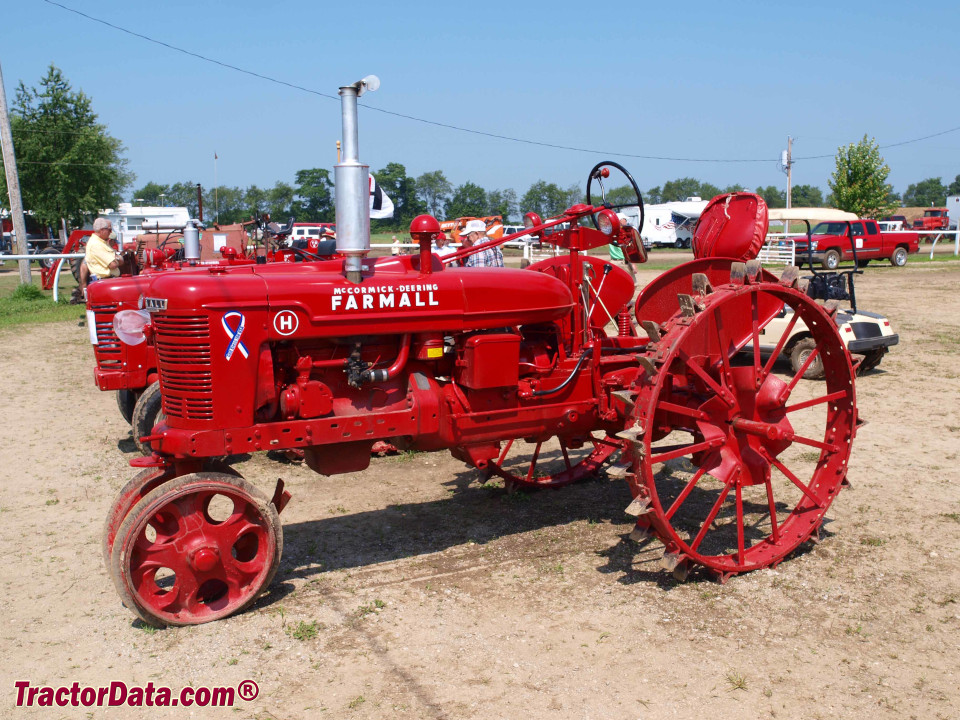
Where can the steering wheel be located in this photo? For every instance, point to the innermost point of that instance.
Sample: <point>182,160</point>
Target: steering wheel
<point>597,173</point>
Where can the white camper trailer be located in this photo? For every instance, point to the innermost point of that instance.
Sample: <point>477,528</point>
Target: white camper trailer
<point>129,221</point>
<point>668,224</point>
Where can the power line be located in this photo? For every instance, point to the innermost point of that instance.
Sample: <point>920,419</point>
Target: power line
<point>448,126</point>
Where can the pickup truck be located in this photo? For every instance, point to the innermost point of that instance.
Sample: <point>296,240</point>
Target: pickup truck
<point>830,244</point>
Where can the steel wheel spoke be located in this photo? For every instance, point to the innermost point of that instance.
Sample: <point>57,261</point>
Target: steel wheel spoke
<point>775,531</point>
<point>810,358</point>
<point>796,481</point>
<point>740,529</point>
<point>566,457</point>
<point>675,452</point>
<point>755,321</point>
<point>533,461</point>
<point>813,443</point>
<point>723,343</point>
<point>506,449</point>
<point>714,511</point>
<point>779,347</point>
<point>699,371</point>
<point>685,492</point>
<point>681,410</point>
<point>816,401</point>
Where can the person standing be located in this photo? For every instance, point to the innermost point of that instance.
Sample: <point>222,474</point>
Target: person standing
<point>474,233</point>
<point>101,260</point>
<point>441,245</point>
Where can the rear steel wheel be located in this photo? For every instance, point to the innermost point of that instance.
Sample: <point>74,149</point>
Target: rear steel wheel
<point>552,463</point>
<point>734,467</point>
<point>196,549</point>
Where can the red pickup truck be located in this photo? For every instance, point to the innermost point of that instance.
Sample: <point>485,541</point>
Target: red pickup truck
<point>830,243</point>
<point>933,219</point>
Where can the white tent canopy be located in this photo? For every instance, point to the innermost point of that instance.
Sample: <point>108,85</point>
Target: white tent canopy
<point>809,213</point>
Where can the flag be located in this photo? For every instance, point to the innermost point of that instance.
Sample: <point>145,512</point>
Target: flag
<point>381,206</point>
<point>214,156</point>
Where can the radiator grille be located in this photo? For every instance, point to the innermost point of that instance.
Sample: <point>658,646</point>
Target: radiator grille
<point>108,349</point>
<point>183,355</point>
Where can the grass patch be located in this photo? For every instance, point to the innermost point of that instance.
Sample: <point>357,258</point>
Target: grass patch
<point>736,680</point>
<point>28,304</point>
<point>303,630</point>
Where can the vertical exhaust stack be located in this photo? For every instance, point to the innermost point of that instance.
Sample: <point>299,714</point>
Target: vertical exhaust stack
<point>191,242</point>
<point>352,183</point>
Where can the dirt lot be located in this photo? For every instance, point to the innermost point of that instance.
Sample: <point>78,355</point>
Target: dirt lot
<point>410,590</point>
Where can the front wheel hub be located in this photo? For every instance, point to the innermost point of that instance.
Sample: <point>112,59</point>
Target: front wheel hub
<point>205,559</point>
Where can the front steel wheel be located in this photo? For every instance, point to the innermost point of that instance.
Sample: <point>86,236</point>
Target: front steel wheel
<point>196,549</point>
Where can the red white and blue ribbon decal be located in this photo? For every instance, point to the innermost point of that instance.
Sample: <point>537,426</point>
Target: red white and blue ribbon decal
<point>234,334</point>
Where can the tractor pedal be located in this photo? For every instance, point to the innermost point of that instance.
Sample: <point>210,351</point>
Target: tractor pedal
<point>280,497</point>
<point>639,506</point>
<point>738,271</point>
<point>790,277</point>
<point>619,472</point>
<point>688,306</point>
<point>753,270</point>
<point>640,534</point>
<point>652,330</point>
<point>701,284</point>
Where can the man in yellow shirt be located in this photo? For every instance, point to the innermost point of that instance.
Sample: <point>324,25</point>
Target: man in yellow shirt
<point>101,260</point>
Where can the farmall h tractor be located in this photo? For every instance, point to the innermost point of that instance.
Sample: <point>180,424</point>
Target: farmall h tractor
<point>130,368</point>
<point>730,465</point>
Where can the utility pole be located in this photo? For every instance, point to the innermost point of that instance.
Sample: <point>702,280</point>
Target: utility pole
<point>789,168</point>
<point>13,185</point>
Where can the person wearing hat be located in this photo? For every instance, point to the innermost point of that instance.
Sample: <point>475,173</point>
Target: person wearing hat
<point>474,233</point>
<point>441,245</point>
<point>100,259</point>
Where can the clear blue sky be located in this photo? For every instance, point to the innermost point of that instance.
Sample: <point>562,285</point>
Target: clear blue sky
<point>693,79</point>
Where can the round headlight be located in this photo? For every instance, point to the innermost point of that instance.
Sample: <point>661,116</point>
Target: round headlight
<point>608,222</point>
<point>531,219</point>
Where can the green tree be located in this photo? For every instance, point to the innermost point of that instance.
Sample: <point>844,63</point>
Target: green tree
<point>280,201</point>
<point>69,165</point>
<point>680,189</point>
<point>468,200</point>
<point>925,193</point>
<point>859,182</point>
<point>224,205</point>
<point>503,203</point>
<point>434,191</point>
<point>774,196</point>
<point>184,194</point>
<point>545,199</point>
<point>402,191</point>
<point>150,193</point>
<point>313,200</point>
<point>954,188</point>
<point>806,196</point>
<point>255,201</point>
<point>735,188</point>
<point>653,196</point>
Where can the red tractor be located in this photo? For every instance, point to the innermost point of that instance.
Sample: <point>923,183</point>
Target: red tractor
<point>538,376</point>
<point>130,369</point>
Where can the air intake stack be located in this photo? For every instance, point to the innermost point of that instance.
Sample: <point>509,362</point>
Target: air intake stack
<point>352,180</point>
